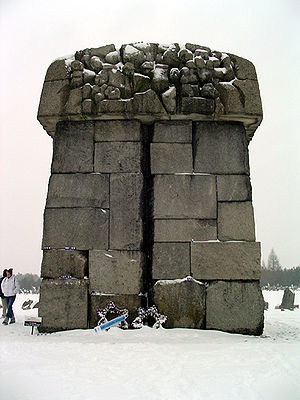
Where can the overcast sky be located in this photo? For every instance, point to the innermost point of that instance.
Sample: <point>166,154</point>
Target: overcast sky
<point>35,32</point>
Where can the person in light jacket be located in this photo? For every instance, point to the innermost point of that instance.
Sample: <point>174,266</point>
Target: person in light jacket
<point>10,288</point>
<point>4,307</point>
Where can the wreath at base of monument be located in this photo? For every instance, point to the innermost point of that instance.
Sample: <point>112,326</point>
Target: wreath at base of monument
<point>113,309</point>
<point>145,313</point>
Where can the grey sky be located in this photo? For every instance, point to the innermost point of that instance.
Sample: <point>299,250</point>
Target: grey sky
<point>34,32</point>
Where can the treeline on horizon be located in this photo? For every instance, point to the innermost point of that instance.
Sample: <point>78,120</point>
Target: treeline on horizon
<point>272,273</point>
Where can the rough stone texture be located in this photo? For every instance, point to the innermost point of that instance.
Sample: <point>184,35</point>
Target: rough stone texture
<point>182,301</point>
<point>169,158</point>
<point>184,230</point>
<point>78,190</point>
<point>117,131</point>
<point>53,98</point>
<point>82,228</point>
<point>113,271</point>
<point>117,157</point>
<point>288,299</point>
<point>226,148</point>
<point>234,188</point>
<point>185,196</point>
<point>236,307</point>
<point>73,147</point>
<point>170,260</point>
<point>125,211</point>
<point>236,221</point>
<point>152,81</point>
<point>228,261</point>
<point>57,263</point>
<point>129,301</point>
<point>63,304</point>
<point>173,132</point>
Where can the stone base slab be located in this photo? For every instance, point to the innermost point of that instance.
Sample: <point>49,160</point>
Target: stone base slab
<point>236,307</point>
<point>63,304</point>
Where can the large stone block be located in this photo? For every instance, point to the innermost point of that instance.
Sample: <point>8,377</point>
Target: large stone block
<point>172,132</point>
<point>250,90</point>
<point>73,147</point>
<point>57,263</point>
<point>126,229</point>
<point>58,70</point>
<point>170,260</point>
<point>63,304</point>
<point>82,228</point>
<point>115,157</point>
<point>234,188</point>
<point>129,301</point>
<point>182,301</point>
<point>53,98</point>
<point>117,131</point>
<point>185,196</point>
<point>230,260</point>
<point>236,221</point>
<point>169,158</point>
<point>78,190</point>
<point>197,105</point>
<point>236,307</point>
<point>184,230</point>
<point>114,271</point>
<point>221,148</point>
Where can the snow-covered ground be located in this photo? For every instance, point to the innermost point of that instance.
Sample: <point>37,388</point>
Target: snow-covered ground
<point>150,364</point>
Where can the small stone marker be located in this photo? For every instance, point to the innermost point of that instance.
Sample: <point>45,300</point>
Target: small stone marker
<point>288,299</point>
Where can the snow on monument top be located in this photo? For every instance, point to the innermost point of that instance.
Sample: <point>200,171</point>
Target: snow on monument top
<point>148,82</point>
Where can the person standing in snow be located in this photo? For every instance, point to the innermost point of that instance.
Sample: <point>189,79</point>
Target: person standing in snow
<point>10,288</point>
<point>4,307</point>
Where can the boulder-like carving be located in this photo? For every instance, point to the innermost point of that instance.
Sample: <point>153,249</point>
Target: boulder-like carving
<point>160,81</point>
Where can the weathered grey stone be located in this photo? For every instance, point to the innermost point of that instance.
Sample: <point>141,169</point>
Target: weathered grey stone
<point>57,263</point>
<point>113,106</point>
<point>87,106</point>
<point>58,70</point>
<point>184,230</point>
<point>117,131</point>
<point>234,188</point>
<point>182,301</point>
<point>125,211</point>
<point>288,299</point>
<point>78,190</point>
<point>102,51</point>
<point>170,260</point>
<point>169,158</point>
<point>221,148</point>
<point>53,98</point>
<point>147,103</point>
<point>63,304</point>
<point>133,55</point>
<point>73,105</point>
<point>117,157</point>
<point>230,98</point>
<point>185,196</point>
<point>197,105</point>
<point>236,307</point>
<point>114,271</point>
<point>251,96</point>
<point>129,301</point>
<point>112,57</point>
<point>236,221</point>
<point>169,100</point>
<point>82,228</point>
<point>244,69</point>
<point>172,132</point>
<point>141,83</point>
<point>73,147</point>
<point>227,261</point>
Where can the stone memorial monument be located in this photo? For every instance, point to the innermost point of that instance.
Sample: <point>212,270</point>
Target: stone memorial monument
<point>149,198</point>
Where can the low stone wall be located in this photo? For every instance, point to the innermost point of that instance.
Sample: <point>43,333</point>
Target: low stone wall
<point>150,183</point>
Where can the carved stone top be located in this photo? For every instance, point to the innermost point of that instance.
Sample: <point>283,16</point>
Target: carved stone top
<point>150,81</point>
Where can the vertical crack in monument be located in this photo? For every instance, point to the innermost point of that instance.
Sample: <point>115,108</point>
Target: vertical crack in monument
<point>149,198</point>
